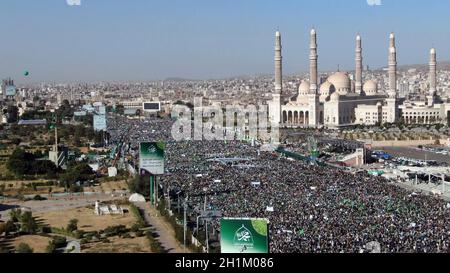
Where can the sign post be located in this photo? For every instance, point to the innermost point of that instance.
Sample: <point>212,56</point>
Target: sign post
<point>244,235</point>
<point>151,161</point>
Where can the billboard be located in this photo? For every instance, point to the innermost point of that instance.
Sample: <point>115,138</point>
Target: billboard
<point>244,235</point>
<point>151,157</point>
<point>151,106</point>
<point>10,90</point>
<point>100,123</point>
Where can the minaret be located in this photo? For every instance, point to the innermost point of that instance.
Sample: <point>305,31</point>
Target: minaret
<point>313,96</point>
<point>275,104</point>
<point>432,76</point>
<point>278,64</point>
<point>391,101</point>
<point>392,67</point>
<point>313,63</point>
<point>359,64</point>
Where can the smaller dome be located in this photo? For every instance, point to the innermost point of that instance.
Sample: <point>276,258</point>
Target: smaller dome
<point>303,88</point>
<point>370,84</point>
<point>370,87</point>
<point>335,96</point>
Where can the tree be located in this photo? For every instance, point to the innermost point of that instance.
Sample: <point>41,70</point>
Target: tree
<point>2,228</point>
<point>10,227</point>
<point>15,215</point>
<point>28,223</point>
<point>72,226</point>
<point>24,248</point>
<point>24,163</point>
<point>13,114</point>
<point>57,242</point>
<point>19,162</point>
<point>77,172</point>
<point>120,109</point>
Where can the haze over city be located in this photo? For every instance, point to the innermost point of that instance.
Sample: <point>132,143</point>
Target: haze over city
<point>119,40</point>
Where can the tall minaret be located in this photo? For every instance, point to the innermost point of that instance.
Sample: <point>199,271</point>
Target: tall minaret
<point>275,104</point>
<point>432,76</point>
<point>359,64</point>
<point>392,67</point>
<point>391,101</point>
<point>313,63</point>
<point>313,96</point>
<point>278,64</point>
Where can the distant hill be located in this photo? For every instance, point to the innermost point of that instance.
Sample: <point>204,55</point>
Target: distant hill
<point>175,79</point>
<point>424,67</point>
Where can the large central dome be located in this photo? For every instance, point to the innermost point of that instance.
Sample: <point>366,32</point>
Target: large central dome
<point>341,82</point>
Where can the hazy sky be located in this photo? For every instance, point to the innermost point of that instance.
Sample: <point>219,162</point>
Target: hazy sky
<point>139,40</point>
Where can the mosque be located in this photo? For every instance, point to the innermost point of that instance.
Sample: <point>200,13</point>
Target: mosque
<point>339,101</point>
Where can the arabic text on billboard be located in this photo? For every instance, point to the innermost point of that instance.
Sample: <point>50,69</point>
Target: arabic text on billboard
<point>151,157</point>
<point>244,235</point>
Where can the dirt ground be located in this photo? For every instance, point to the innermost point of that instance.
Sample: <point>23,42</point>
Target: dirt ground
<point>119,245</point>
<point>16,185</point>
<point>36,242</point>
<point>87,220</point>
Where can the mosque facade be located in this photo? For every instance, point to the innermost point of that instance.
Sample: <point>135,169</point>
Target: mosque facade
<point>340,101</point>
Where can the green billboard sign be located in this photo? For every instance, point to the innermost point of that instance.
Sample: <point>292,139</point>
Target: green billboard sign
<point>243,235</point>
<point>151,157</point>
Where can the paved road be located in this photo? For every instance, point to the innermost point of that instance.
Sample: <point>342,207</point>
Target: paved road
<point>412,152</point>
<point>162,228</point>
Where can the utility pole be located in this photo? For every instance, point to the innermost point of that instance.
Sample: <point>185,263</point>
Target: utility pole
<point>185,223</point>
<point>207,239</point>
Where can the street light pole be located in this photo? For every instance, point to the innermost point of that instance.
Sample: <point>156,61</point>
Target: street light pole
<point>207,239</point>
<point>185,224</point>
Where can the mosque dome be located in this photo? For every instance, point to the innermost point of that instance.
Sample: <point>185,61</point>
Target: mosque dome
<point>335,96</point>
<point>303,88</point>
<point>341,82</point>
<point>370,87</point>
<point>326,89</point>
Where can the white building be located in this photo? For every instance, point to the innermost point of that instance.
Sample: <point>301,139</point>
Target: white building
<point>343,99</point>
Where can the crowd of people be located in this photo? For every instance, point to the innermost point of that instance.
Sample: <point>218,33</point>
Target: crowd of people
<point>312,209</point>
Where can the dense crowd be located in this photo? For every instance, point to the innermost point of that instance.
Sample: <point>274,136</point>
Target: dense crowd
<point>315,209</point>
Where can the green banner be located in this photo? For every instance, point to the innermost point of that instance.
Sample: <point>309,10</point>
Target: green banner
<point>239,235</point>
<point>151,157</point>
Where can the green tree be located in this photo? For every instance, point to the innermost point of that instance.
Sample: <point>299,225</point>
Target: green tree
<point>77,172</point>
<point>13,114</point>
<point>72,226</point>
<point>10,227</point>
<point>19,162</point>
<point>120,109</point>
<point>28,223</point>
<point>15,215</point>
<point>24,248</point>
<point>2,228</point>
